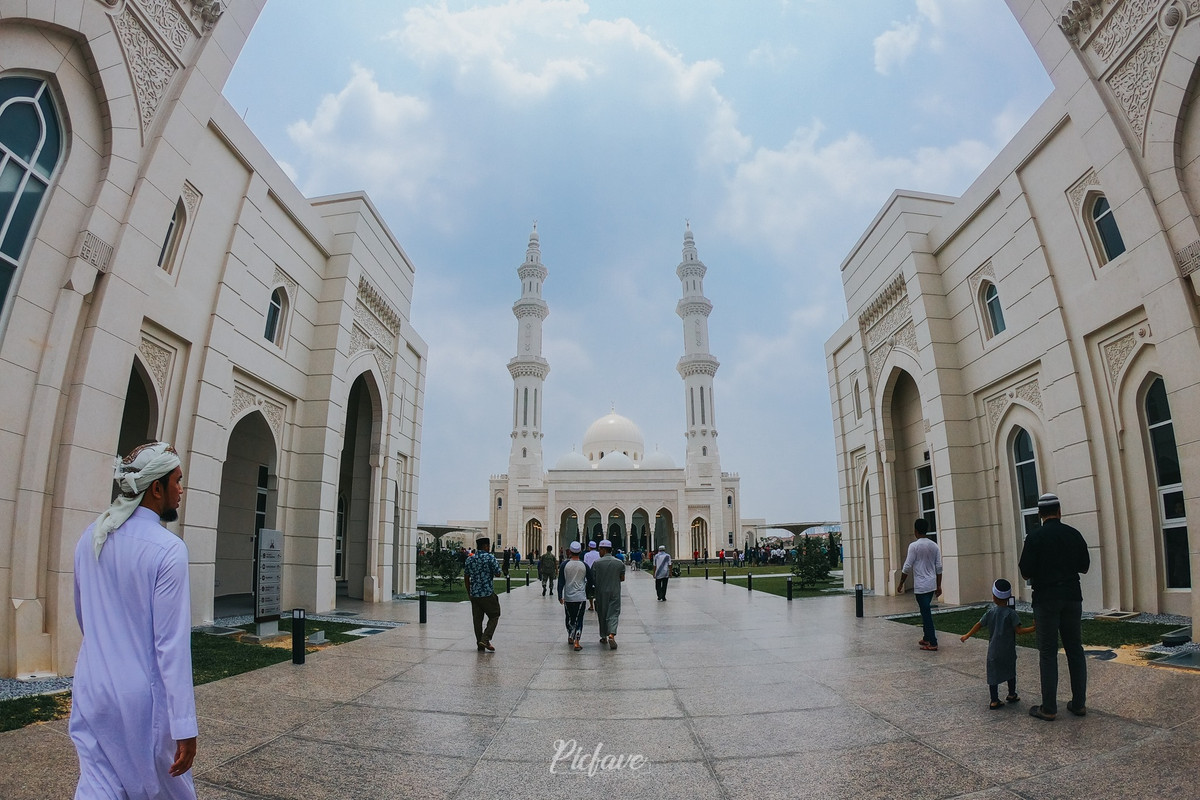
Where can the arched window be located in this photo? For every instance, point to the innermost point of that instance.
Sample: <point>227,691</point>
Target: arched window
<point>1169,482</point>
<point>993,312</point>
<point>857,400</point>
<point>703,451</point>
<point>1109,243</point>
<point>729,501</point>
<point>31,144</point>
<point>1026,479</point>
<point>170,245</point>
<point>275,317</point>
<point>339,542</point>
<point>499,502</point>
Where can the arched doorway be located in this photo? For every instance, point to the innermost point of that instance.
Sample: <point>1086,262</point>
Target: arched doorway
<point>593,525</point>
<point>246,506</point>
<point>356,487</point>
<point>533,538</point>
<point>664,531</point>
<point>568,529</point>
<point>139,419</point>
<point>616,529</point>
<point>911,466</point>
<point>638,530</point>
<point>700,535</point>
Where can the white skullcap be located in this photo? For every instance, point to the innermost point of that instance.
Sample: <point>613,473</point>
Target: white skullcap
<point>133,475</point>
<point>1048,500</point>
<point>999,593</point>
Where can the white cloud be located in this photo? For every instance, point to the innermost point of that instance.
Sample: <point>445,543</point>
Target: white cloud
<point>811,188</point>
<point>525,50</point>
<point>893,47</point>
<point>366,137</point>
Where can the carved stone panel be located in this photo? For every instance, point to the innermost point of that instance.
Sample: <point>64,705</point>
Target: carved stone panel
<point>273,411</point>
<point>1125,20</point>
<point>170,23</point>
<point>1028,391</point>
<point>1133,82</point>
<point>281,278</point>
<point>150,66</point>
<point>191,199</point>
<point>1188,256</point>
<point>158,359</point>
<point>1076,192</point>
<point>96,251</point>
<point>1120,349</point>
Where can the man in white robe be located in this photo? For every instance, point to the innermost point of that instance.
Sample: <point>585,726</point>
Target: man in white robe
<point>133,711</point>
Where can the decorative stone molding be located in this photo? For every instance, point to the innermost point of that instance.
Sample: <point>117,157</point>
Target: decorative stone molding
<point>691,306</point>
<point>527,308</point>
<point>529,366</point>
<point>697,364</point>
<point>207,12</point>
<point>1028,391</point>
<point>372,300</point>
<point>151,67</point>
<point>1133,82</point>
<point>170,22</point>
<point>1079,189</point>
<point>96,251</point>
<point>985,271</point>
<point>273,411</point>
<point>158,359</point>
<point>1119,350</point>
<point>361,340</point>
<point>281,278</point>
<point>860,463</point>
<point>1124,21</point>
<point>1188,257</point>
<point>906,337</point>
<point>191,199</point>
<point>885,312</point>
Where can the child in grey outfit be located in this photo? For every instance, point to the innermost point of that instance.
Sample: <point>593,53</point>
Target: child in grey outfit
<point>1003,624</point>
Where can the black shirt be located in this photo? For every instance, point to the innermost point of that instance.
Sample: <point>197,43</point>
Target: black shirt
<point>1054,556</point>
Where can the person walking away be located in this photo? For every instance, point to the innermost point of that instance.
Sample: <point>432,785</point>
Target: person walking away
<point>608,573</point>
<point>133,711</point>
<point>924,562</point>
<point>1003,625</point>
<point>478,573</point>
<point>662,572</point>
<point>547,569</point>
<point>572,594</point>
<point>1053,558</point>
<point>590,558</point>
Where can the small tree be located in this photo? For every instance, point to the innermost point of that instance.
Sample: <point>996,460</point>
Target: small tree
<point>834,546</point>
<point>440,562</point>
<point>811,564</point>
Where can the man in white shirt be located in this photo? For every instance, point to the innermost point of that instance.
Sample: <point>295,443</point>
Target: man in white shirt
<point>924,563</point>
<point>662,572</point>
<point>589,559</point>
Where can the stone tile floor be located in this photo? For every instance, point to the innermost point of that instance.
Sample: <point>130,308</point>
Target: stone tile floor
<point>725,694</point>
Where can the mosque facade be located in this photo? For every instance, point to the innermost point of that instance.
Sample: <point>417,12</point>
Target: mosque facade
<point>611,488</point>
<point>1042,331</point>
<point>162,278</point>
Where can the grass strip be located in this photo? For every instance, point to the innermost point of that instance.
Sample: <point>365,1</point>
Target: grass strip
<point>1095,632</point>
<point>21,711</point>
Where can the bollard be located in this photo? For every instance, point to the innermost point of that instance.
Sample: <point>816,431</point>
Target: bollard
<point>297,635</point>
<point>507,583</point>
<point>421,602</point>
<point>749,581</point>
<point>706,573</point>
<point>526,577</point>
<point>789,588</point>
<point>689,569</point>
<point>858,603</point>
<point>725,576</point>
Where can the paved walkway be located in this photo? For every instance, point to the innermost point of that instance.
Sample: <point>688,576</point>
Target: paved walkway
<point>726,694</point>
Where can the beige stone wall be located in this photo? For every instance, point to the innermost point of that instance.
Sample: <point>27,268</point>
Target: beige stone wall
<point>1085,334</point>
<point>91,304</point>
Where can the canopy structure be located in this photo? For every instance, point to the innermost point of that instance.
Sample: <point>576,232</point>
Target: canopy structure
<point>438,531</point>
<point>795,528</point>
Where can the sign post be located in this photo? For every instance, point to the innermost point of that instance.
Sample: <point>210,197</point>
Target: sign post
<point>267,581</point>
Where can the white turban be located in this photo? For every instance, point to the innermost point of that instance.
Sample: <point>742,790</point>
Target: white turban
<point>133,475</point>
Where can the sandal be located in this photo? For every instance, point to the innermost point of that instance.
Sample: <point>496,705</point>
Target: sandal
<point>928,646</point>
<point>1012,698</point>
<point>578,646</point>
<point>996,704</point>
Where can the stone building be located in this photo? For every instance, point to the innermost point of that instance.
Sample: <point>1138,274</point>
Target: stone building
<point>160,277</point>
<point>1041,332</point>
<point>613,488</point>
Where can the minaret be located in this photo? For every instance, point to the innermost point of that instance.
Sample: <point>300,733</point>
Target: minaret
<point>528,370</point>
<point>697,366</point>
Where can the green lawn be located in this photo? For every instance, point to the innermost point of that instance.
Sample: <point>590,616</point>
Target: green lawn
<point>458,591</point>
<point>213,658</point>
<point>1096,632</point>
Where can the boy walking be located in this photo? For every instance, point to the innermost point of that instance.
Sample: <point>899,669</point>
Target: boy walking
<point>924,563</point>
<point>572,594</point>
<point>1003,625</point>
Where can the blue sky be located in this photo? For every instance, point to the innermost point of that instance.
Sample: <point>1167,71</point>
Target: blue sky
<point>777,127</point>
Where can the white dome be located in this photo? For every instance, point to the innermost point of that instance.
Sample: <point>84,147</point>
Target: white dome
<point>573,460</point>
<point>616,460</point>
<point>614,432</point>
<point>658,460</point>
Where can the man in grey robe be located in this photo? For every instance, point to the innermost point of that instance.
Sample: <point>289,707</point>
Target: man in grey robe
<point>133,712</point>
<point>608,573</point>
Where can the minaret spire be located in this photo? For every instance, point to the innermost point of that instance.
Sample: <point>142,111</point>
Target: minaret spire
<point>528,368</point>
<point>697,367</point>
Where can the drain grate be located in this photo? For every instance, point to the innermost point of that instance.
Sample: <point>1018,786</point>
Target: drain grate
<point>366,631</point>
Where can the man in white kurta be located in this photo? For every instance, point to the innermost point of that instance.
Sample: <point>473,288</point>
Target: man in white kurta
<point>133,714</point>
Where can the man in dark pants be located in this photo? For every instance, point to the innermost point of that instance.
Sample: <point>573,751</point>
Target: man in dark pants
<point>478,572</point>
<point>1054,556</point>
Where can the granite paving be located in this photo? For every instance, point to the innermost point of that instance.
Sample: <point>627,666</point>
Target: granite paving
<point>716,693</point>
